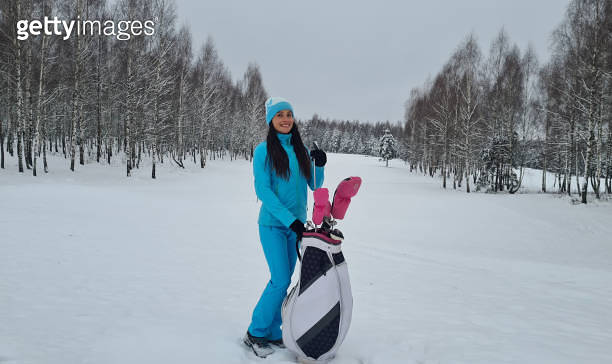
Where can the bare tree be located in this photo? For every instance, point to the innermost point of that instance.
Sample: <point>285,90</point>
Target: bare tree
<point>41,79</point>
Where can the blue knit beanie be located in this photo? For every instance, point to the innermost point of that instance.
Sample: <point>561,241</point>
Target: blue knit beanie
<point>274,105</point>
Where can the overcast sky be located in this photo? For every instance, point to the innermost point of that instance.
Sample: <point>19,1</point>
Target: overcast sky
<point>358,60</point>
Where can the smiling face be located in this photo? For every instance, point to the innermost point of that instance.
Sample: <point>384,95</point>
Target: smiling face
<point>283,121</point>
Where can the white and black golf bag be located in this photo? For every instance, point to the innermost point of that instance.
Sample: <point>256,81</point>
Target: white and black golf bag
<point>317,312</point>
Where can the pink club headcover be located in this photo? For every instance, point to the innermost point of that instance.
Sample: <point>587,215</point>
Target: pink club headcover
<point>322,207</point>
<point>342,197</point>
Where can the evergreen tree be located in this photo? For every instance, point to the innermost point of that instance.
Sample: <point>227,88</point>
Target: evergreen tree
<point>387,147</point>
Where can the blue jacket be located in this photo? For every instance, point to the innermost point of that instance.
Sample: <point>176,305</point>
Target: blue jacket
<point>283,201</point>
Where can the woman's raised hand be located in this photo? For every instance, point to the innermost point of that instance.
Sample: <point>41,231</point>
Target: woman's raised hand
<point>319,156</point>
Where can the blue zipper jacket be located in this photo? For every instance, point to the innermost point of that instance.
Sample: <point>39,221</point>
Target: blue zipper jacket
<point>283,201</point>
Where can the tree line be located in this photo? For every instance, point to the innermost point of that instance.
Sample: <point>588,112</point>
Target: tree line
<point>345,136</point>
<point>484,118</point>
<point>479,122</point>
<point>98,97</point>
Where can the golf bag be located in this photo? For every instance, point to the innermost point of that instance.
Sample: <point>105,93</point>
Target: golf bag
<point>317,312</point>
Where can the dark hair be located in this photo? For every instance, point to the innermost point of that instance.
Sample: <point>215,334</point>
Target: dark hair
<point>277,157</point>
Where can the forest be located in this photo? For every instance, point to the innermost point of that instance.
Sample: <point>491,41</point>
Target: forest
<point>484,118</point>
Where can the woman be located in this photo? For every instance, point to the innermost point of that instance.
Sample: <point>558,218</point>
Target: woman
<point>282,170</point>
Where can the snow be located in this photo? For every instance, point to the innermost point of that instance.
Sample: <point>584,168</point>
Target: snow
<point>98,268</point>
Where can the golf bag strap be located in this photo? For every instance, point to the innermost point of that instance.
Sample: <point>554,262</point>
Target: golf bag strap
<point>297,249</point>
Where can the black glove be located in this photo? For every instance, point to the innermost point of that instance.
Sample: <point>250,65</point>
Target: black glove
<point>319,156</point>
<point>298,227</point>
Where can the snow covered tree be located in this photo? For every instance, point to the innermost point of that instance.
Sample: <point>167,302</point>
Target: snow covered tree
<point>255,98</point>
<point>162,81</point>
<point>387,147</point>
<point>334,142</point>
<point>346,144</point>
<point>356,143</point>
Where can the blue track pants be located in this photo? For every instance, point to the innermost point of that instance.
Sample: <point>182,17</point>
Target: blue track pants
<point>278,244</point>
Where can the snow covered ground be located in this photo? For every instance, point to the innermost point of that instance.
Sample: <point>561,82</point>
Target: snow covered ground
<point>96,268</point>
